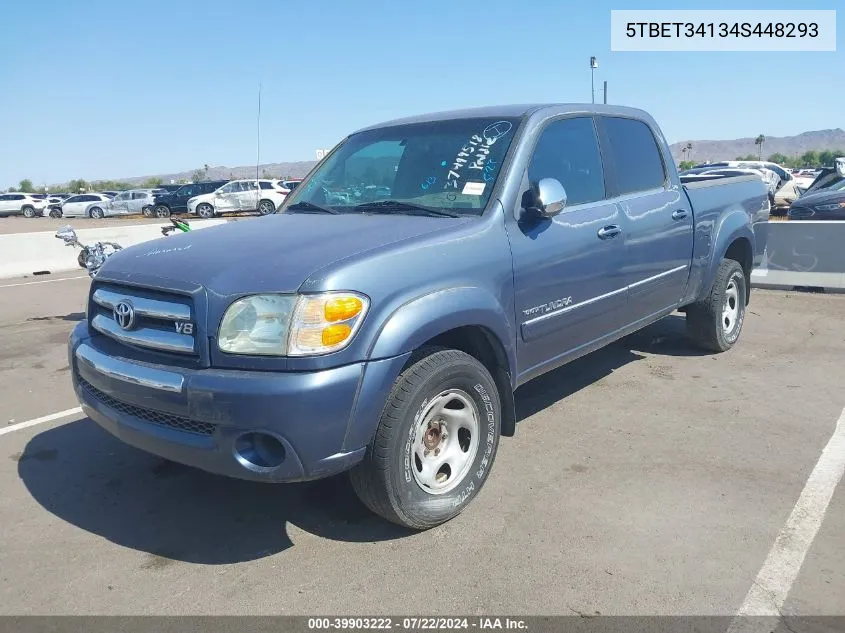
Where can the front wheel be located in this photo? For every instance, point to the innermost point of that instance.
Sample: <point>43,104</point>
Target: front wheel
<point>715,322</point>
<point>55,213</point>
<point>96,213</point>
<point>435,443</point>
<point>162,211</point>
<point>28,212</point>
<point>205,211</point>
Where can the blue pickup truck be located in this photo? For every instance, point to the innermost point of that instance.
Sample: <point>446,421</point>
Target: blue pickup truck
<point>380,322</point>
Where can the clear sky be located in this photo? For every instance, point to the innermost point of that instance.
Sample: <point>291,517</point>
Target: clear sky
<point>107,89</point>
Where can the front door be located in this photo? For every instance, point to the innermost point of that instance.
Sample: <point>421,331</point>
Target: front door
<point>659,237</point>
<point>569,291</point>
<point>226,199</point>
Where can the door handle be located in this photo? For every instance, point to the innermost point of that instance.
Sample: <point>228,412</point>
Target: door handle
<point>680,214</point>
<point>607,232</point>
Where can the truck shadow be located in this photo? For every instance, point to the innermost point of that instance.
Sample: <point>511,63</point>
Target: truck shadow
<point>666,337</point>
<point>85,476</point>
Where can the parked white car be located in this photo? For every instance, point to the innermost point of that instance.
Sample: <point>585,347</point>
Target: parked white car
<point>239,196</point>
<point>83,205</point>
<point>24,204</point>
<point>128,202</point>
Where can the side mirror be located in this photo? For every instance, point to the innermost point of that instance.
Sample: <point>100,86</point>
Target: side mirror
<point>549,198</point>
<point>840,167</point>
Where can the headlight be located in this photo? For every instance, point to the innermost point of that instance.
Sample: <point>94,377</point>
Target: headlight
<point>290,325</point>
<point>830,207</point>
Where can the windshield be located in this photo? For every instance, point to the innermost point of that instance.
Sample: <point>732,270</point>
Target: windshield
<point>445,165</point>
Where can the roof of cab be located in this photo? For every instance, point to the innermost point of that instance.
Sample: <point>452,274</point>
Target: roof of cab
<point>514,110</point>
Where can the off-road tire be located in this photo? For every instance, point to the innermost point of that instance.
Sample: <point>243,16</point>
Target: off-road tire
<point>384,480</point>
<point>706,325</point>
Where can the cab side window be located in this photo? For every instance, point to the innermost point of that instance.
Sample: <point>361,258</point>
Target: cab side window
<point>568,150</point>
<point>635,155</point>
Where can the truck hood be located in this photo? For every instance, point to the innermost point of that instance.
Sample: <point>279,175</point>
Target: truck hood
<point>276,253</point>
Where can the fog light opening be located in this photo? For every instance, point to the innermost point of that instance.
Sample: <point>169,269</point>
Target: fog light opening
<point>259,451</point>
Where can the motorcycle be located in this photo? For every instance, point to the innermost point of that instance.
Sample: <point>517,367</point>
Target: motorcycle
<point>91,257</point>
<point>181,225</point>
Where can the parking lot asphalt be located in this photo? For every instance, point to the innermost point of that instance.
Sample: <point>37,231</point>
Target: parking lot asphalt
<point>646,478</point>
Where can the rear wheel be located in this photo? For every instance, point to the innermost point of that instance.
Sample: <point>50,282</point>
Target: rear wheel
<point>715,322</point>
<point>28,212</point>
<point>205,210</point>
<point>148,212</point>
<point>162,211</point>
<point>266,207</point>
<point>435,443</point>
<point>96,213</point>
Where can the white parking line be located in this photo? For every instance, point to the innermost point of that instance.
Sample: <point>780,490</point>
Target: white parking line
<point>46,418</point>
<point>772,585</point>
<point>44,281</point>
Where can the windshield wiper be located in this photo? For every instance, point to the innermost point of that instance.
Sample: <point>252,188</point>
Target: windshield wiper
<point>310,206</point>
<point>390,206</point>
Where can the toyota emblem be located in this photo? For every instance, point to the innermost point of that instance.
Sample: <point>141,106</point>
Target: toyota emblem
<point>124,315</point>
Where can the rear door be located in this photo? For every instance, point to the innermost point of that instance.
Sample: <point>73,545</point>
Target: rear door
<point>658,219</point>
<point>6,204</point>
<point>139,200</point>
<point>248,196</point>
<point>569,292</point>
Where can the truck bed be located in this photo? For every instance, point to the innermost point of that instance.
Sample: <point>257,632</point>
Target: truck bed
<point>712,197</point>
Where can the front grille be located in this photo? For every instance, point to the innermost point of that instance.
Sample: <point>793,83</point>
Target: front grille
<point>143,318</point>
<point>159,418</point>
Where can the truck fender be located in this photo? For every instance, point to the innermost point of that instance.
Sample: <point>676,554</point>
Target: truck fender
<point>733,226</point>
<point>423,318</point>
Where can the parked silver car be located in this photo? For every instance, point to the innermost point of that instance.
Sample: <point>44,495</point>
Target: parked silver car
<point>126,203</point>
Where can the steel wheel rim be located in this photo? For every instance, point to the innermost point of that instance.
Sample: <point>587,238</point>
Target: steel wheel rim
<point>445,441</point>
<point>730,309</point>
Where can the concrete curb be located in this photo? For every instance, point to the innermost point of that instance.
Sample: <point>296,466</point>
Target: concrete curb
<point>42,252</point>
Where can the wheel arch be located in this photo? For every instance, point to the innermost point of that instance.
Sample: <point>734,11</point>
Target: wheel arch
<point>734,240</point>
<point>467,319</point>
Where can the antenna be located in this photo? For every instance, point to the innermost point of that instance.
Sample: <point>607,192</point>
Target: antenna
<point>258,135</point>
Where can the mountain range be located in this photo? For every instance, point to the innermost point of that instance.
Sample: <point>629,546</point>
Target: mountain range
<point>702,150</point>
<point>819,140</point>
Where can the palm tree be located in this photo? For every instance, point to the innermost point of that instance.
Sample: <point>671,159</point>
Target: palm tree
<point>689,150</point>
<point>759,143</point>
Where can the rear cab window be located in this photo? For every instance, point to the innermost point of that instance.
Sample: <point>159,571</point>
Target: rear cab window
<point>633,154</point>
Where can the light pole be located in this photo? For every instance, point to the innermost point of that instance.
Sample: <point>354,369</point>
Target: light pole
<point>594,63</point>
